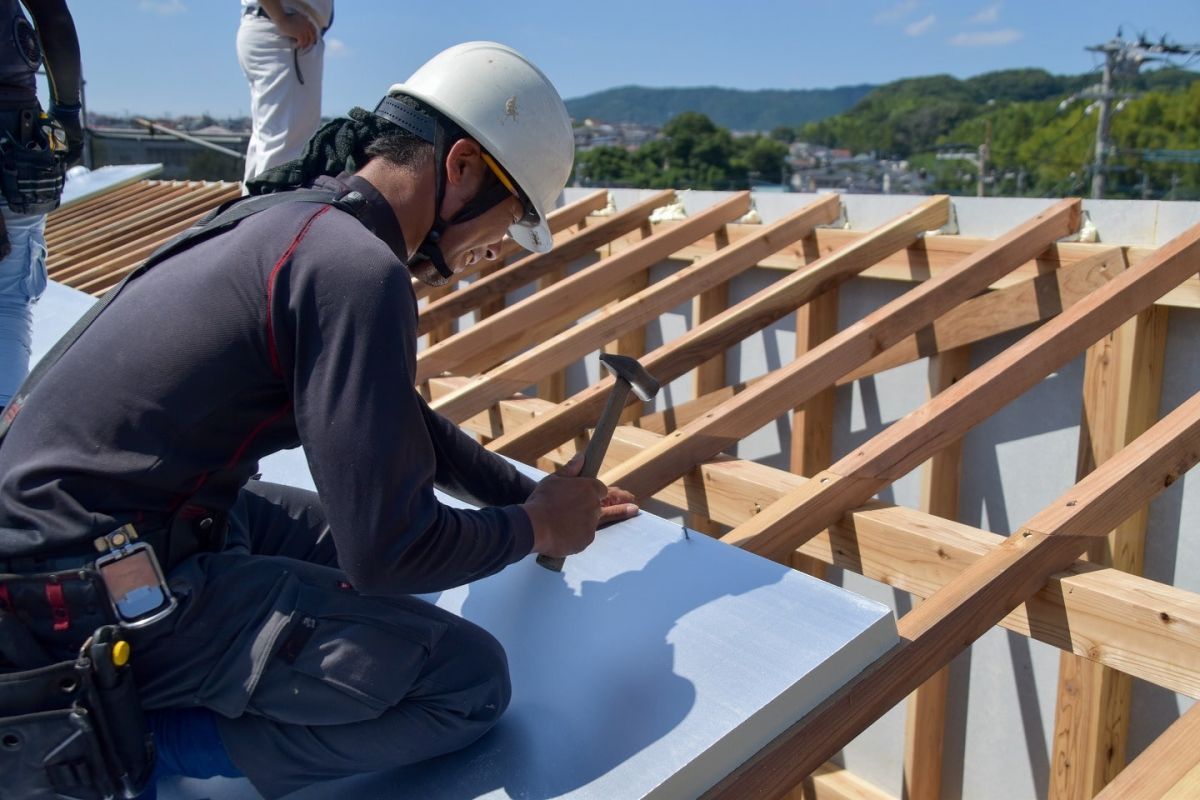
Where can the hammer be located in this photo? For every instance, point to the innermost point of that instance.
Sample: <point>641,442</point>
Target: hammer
<point>629,374</point>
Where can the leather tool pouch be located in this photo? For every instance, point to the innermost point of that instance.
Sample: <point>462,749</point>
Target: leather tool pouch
<point>74,729</point>
<point>31,174</point>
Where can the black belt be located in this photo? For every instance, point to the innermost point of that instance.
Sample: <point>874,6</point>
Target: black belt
<point>185,538</point>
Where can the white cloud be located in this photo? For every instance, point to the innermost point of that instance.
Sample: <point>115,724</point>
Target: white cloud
<point>336,48</point>
<point>987,15</point>
<point>920,26</point>
<point>987,38</point>
<point>896,12</point>
<point>163,7</point>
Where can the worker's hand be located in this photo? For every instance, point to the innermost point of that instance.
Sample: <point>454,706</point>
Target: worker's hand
<point>617,505</point>
<point>564,510</point>
<point>5,244</point>
<point>67,118</point>
<point>298,27</point>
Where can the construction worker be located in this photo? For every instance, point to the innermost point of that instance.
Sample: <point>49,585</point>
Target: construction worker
<point>285,645</point>
<point>281,50</point>
<point>35,150</point>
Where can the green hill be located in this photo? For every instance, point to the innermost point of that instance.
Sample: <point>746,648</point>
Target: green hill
<point>730,108</point>
<point>913,115</point>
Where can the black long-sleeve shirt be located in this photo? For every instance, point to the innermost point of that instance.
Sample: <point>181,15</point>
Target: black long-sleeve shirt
<point>296,327</point>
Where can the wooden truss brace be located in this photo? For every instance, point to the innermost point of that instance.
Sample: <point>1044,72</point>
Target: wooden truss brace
<point>559,220</point>
<point>643,307</point>
<point>914,438</point>
<point>1169,769</point>
<point>789,386</point>
<point>550,310</point>
<point>978,598</point>
<point>980,318</point>
<point>528,269</point>
<point>678,356</point>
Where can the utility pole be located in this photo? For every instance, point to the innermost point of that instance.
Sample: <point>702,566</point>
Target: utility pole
<point>1121,58</point>
<point>985,151</point>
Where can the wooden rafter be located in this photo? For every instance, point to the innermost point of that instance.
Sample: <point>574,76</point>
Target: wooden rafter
<point>975,600</point>
<point>530,268</point>
<point>550,310</point>
<point>1146,629</point>
<point>935,254</point>
<point>751,315</point>
<point>783,388</point>
<point>912,439</point>
<point>639,309</point>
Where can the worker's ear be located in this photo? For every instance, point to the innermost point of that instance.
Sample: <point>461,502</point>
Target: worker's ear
<point>464,164</point>
<point>465,171</point>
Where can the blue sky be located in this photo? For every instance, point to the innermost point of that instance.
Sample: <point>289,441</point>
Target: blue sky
<point>169,57</point>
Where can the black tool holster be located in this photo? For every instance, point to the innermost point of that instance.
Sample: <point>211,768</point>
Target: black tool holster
<point>32,175</point>
<point>69,728</point>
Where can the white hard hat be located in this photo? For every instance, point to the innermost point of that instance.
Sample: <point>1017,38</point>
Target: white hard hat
<point>507,105</point>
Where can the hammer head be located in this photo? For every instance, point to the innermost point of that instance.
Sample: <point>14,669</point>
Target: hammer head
<point>629,370</point>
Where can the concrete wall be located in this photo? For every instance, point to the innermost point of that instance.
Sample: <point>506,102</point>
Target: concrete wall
<point>1004,688</point>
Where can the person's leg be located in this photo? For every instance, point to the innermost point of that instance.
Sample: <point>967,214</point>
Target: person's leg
<point>22,281</point>
<point>360,684</point>
<point>285,93</point>
<point>265,57</point>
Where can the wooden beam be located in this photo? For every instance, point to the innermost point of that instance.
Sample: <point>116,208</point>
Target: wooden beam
<point>640,309</point>
<point>532,267</point>
<point>831,782</point>
<point>558,220</point>
<point>812,422</point>
<point>913,438</point>
<point>1146,629</point>
<point>925,720</point>
<point>747,317</point>
<point>935,254</point>
<point>1000,311</point>
<point>554,308</point>
<point>1169,768</point>
<point>1121,391</point>
<point>975,600</point>
<point>857,344</point>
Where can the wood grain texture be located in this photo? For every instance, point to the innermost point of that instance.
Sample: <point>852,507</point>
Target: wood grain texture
<point>975,600</point>
<point>794,383</point>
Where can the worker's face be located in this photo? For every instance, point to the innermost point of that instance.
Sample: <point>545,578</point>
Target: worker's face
<point>468,243</point>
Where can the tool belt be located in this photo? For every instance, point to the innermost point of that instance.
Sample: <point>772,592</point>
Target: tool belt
<point>72,728</point>
<point>71,723</point>
<point>32,174</point>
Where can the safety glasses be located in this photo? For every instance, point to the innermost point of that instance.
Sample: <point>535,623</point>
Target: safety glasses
<point>531,215</point>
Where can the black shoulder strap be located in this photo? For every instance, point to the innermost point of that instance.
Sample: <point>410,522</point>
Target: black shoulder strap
<point>217,221</point>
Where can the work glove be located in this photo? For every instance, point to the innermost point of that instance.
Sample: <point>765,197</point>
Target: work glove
<point>68,118</point>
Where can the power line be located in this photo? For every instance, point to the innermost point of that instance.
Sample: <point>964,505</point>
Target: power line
<point>1122,59</point>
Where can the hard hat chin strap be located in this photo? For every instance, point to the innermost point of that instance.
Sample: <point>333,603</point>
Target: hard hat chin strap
<point>431,130</point>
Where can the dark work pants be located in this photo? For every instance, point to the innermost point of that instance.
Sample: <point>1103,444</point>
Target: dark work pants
<point>310,680</point>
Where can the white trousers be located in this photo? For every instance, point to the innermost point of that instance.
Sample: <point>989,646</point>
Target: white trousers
<point>285,102</point>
